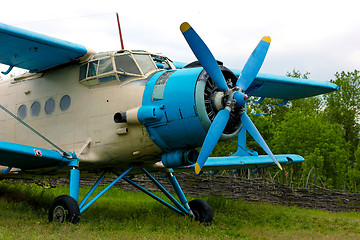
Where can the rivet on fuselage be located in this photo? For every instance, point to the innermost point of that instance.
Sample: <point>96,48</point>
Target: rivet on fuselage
<point>136,153</point>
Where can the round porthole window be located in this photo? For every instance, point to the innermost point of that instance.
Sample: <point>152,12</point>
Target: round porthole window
<point>49,106</point>
<point>21,113</point>
<point>65,103</point>
<point>35,109</point>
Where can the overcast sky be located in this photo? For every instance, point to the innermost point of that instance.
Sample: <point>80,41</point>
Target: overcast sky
<point>321,37</point>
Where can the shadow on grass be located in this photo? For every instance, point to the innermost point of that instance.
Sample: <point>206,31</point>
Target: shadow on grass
<point>29,194</point>
<point>116,205</point>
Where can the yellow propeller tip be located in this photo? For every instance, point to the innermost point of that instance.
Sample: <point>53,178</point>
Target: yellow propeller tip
<point>197,168</point>
<point>266,39</point>
<point>184,27</point>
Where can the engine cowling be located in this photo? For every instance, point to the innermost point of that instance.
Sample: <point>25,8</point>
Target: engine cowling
<point>179,106</point>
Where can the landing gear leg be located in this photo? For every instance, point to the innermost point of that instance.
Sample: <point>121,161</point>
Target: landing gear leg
<point>179,192</point>
<point>197,208</point>
<point>74,184</point>
<point>65,208</point>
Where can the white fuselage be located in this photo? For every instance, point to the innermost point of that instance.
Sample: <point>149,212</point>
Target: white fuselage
<point>86,127</point>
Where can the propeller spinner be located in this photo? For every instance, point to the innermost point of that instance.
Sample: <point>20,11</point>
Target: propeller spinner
<point>235,97</point>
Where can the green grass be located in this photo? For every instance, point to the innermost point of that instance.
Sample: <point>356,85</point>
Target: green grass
<point>131,215</point>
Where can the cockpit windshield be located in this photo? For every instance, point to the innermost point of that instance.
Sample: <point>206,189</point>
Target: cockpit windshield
<point>145,63</point>
<point>125,63</point>
<point>121,66</point>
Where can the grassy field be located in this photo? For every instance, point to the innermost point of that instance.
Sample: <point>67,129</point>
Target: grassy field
<point>131,215</point>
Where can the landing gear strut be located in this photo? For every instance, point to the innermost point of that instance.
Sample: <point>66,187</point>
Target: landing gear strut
<point>65,208</point>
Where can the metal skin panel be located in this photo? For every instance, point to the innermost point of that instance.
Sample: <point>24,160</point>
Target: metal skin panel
<point>182,127</point>
<point>179,65</point>
<point>179,94</point>
<point>34,51</point>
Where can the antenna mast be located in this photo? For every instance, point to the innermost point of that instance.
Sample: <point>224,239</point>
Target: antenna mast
<point>121,40</point>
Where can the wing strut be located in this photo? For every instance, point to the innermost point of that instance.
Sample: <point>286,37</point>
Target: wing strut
<point>65,154</point>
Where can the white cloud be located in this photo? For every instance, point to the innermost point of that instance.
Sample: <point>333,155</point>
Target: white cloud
<point>317,36</point>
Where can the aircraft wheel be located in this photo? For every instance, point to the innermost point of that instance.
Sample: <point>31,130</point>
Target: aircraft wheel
<point>64,209</point>
<point>202,211</point>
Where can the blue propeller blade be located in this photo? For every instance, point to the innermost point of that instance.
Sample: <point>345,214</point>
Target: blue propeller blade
<point>204,55</point>
<point>250,127</point>
<point>253,64</point>
<point>215,131</point>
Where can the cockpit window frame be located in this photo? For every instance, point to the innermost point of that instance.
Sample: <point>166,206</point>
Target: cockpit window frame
<point>116,76</point>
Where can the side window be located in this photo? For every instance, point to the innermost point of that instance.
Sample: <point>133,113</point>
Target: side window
<point>105,65</point>
<point>65,103</point>
<point>35,109</point>
<point>92,68</point>
<point>22,110</point>
<point>83,70</point>
<point>97,71</point>
<point>49,106</point>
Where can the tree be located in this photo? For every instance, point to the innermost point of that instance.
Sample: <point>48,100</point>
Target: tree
<point>342,107</point>
<point>320,142</point>
<point>322,129</point>
<point>273,113</point>
<point>354,173</point>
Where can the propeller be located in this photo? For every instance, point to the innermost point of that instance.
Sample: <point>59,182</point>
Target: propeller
<point>204,55</point>
<point>253,64</point>
<point>250,127</point>
<point>234,97</point>
<point>212,137</point>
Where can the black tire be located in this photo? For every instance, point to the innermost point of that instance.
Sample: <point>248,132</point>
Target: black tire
<point>64,209</point>
<point>202,211</point>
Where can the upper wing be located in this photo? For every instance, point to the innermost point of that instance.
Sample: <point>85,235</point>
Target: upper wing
<point>33,51</point>
<point>239,162</point>
<point>272,86</point>
<point>27,157</point>
<point>281,87</point>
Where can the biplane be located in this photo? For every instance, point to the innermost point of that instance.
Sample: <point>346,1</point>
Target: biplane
<point>131,112</point>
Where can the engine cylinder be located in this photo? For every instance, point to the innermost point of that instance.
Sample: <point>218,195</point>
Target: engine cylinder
<point>210,99</point>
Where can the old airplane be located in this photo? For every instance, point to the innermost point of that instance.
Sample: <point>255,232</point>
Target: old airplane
<point>130,112</point>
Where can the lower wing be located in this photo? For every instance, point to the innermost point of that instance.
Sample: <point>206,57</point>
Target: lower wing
<point>240,162</point>
<point>26,157</point>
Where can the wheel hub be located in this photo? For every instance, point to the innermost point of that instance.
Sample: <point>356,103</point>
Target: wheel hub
<point>59,214</point>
